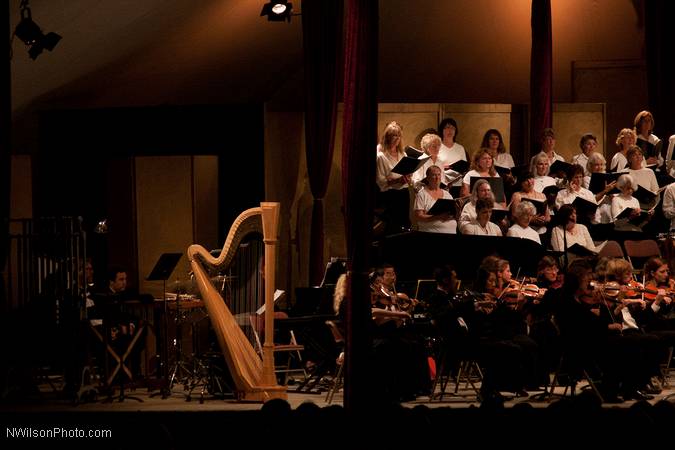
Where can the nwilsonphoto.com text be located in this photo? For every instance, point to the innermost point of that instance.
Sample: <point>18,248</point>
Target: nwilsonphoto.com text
<point>56,433</point>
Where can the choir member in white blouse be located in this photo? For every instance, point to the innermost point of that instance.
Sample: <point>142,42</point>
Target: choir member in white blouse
<point>574,188</point>
<point>669,204</point>
<point>644,125</point>
<point>481,225</point>
<point>597,164</point>
<point>627,185</point>
<point>625,140</point>
<point>538,222</point>
<point>569,232</point>
<point>493,141</point>
<point>426,198</point>
<point>588,144</point>
<point>482,165</point>
<point>393,187</point>
<point>521,229</point>
<point>642,176</point>
<point>540,170</point>
<point>451,151</point>
<point>548,148</point>
<point>431,145</point>
<point>481,190</point>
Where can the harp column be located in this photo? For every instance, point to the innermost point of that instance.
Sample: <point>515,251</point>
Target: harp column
<point>270,223</point>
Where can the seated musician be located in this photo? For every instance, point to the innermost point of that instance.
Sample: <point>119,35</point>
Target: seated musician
<point>497,339</point>
<point>628,310</point>
<point>482,225</point>
<point>425,199</point>
<point>526,183</point>
<point>523,213</point>
<point>399,356</point>
<point>569,232</point>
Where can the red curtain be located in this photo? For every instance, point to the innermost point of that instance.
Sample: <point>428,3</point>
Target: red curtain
<point>541,73</point>
<point>322,42</point>
<point>358,174</point>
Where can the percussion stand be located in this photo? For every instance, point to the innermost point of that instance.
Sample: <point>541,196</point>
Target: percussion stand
<point>179,366</point>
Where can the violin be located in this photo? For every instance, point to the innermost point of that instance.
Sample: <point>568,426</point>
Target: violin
<point>611,290</point>
<point>651,290</point>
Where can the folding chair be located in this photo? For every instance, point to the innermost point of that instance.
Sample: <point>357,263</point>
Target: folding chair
<point>639,251</point>
<point>292,349</point>
<point>339,362</point>
<point>612,249</point>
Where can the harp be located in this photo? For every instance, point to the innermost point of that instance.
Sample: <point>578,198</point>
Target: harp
<point>254,379</point>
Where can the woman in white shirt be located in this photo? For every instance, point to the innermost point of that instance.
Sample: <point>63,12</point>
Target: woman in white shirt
<point>548,148</point>
<point>538,222</point>
<point>644,125</point>
<point>481,190</point>
<point>627,185</point>
<point>493,141</point>
<point>393,187</point>
<point>451,151</point>
<point>426,198</point>
<point>643,177</point>
<point>521,229</point>
<point>625,139</point>
<point>569,232</point>
<point>431,145</point>
<point>597,164</point>
<point>482,165</point>
<point>588,144</point>
<point>481,225</point>
<point>540,169</point>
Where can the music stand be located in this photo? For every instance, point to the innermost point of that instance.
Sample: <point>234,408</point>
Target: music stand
<point>163,269</point>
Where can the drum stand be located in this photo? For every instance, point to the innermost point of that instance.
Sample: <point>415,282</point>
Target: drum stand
<point>180,369</point>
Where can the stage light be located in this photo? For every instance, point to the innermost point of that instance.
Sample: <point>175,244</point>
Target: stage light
<point>101,227</point>
<point>30,33</point>
<point>277,11</point>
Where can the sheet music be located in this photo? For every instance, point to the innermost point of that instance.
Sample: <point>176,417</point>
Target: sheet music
<point>277,295</point>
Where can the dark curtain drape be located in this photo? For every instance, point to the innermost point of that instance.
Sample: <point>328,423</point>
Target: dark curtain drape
<point>322,42</point>
<point>541,73</point>
<point>5,159</point>
<point>660,43</point>
<point>358,174</point>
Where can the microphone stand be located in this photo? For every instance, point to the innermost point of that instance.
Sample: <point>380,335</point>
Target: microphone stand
<point>564,230</point>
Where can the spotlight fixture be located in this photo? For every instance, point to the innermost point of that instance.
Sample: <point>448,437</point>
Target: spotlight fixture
<point>30,33</point>
<point>101,227</point>
<point>277,11</point>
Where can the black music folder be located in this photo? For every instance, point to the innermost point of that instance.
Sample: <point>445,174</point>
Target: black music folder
<point>408,165</point>
<point>412,152</point>
<point>580,250</point>
<point>460,166</point>
<point>584,207</point>
<point>540,205</point>
<point>639,220</point>
<point>503,171</point>
<point>649,150</point>
<point>498,214</point>
<point>164,267</point>
<point>442,206</point>
<point>600,180</point>
<point>560,167</point>
<point>552,190</point>
<point>496,184</point>
<point>644,195</point>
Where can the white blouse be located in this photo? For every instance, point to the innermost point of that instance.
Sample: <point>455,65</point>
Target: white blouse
<point>504,160</point>
<point>619,204</point>
<point>424,201</point>
<point>523,233</point>
<point>452,155</point>
<point>385,163</point>
<point>475,228</point>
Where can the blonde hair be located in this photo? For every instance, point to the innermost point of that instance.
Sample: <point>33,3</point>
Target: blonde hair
<point>623,133</point>
<point>596,158</point>
<point>340,292</point>
<point>428,140</point>
<point>390,131</point>
<point>618,266</point>
<point>476,159</point>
